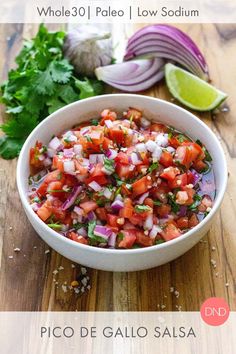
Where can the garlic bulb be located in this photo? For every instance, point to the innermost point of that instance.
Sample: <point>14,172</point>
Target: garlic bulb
<point>88,47</point>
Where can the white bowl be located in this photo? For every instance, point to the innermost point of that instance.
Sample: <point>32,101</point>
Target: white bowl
<point>156,109</point>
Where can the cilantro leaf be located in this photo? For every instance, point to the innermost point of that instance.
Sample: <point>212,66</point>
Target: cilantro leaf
<point>85,87</point>
<point>10,147</point>
<point>109,165</point>
<point>142,208</point>
<point>153,167</point>
<point>61,71</point>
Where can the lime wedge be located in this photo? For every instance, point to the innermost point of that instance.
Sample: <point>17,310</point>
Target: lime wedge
<point>190,90</point>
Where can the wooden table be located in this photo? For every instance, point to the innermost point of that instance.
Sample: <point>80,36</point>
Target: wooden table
<point>209,269</point>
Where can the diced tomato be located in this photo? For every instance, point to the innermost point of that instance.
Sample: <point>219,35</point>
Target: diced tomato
<point>170,173</point>
<point>129,239</point>
<point>199,165</point>
<point>107,115</point>
<point>101,213</point>
<point>170,232</point>
<point>206,202</point>
<point>44,211</point>
<point>141,186</point>
<point>55,189</point>
<point>107,143</point>
<point>160,192</point>
<point>135,219</point>
<point>179,181</point>
<point>125,190</point>
<point>112,220</point>
<point>182,222</point>
<point>174,142</point>
<point>98,175</point>
<point>88,206</point>
<point>122,158</point>
<point>123,171</point>
<point>163,210</point>
<point>187,153</point>
<point>193,220</point>
<point>58,163</point>
<point>190,177</point>
<point>135,114</point>
<point>197,152</point>
<point>166,159</point>
<point>78,238</point>
<point>70,181</point>
<point>117,135</point>
<point>56,209</point>
<point>143,240</point>
<point>149,202</point>
<point>185,197</point>
<point>51,177</point>
<point>81,169</point>
<point>158,127</point>
<point>128,209</point>
<point>34,161</point>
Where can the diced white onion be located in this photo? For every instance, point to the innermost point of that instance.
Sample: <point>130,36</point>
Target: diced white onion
<point>157,153</point>
<point>134,158</point>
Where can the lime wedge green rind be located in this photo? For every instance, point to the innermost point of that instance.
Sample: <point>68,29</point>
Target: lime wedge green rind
<point>192,91</point>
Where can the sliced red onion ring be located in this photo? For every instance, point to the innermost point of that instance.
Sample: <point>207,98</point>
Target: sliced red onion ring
<point>72,198</point>
<point>142,80</point>
<point>169,33</point>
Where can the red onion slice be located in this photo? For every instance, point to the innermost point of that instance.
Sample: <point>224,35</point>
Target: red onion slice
<point>175,34</point>
<point>72,198</point>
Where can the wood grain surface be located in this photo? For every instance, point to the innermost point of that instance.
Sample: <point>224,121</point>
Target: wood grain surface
<point>27,282</point>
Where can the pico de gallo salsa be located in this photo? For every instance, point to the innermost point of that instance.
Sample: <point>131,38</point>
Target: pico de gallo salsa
<point>121,181</point>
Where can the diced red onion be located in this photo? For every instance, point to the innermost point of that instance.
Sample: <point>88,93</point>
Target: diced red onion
<point>36,206</point>
<point>108,123</point>
<point>111,154</point>
<point>96,158</point>
<point>170,149</point>
<point>79,211</point>
<point>132,76</point>
<point>91,216</point>
<point>162,139</point>
<point>145,123</point>
<point>47,162</point>
<point>102,231</point>
<point>142,198</point>
<point>72,198</point>
<point>82,231</point>
<point>151,145</point>
<point>197,177</point>
<point>55,144</point>
<point>141,147</point>
<point>117,205</point>
<point>95,186</point>
<point>154,231</point>
<point>70,136</point>
<point>69,153</point>
<point>112,240</point>
<point>78,149</point>
<point>51,152</point>
<point>107,193</point>
<point>69,166</point>
<point>182,211</point>
<point>135,159</point>
<point>84,131</point>
<point>148,223</point>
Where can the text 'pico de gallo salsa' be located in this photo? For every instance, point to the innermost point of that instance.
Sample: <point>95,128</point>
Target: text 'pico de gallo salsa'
<point>121,181</point>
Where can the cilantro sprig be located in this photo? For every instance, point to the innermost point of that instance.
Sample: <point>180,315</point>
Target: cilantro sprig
<point>42,83</point>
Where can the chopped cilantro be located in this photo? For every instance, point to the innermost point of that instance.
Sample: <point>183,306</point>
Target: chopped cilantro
<point>157,202</point>
<point>158,242</point>
<point>109,165</point>
<point>55,226</point>
<point>197,199</point>
<point>153,167</point>
<point>88,138</point>
<point>120,236</point>
<point>174,206</point>
<point>142,208</point>
<point>41,83</point>
<point>94,122</point>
